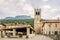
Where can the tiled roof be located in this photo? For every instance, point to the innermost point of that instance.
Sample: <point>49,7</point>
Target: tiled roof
<point>51,21</point>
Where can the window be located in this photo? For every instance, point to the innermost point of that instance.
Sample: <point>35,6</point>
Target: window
<point>59,32</point>
<point>55,25</point>
<point>49,24</point>
<point>49,32</point>
<point>42,29</point>
<point>37,13</point>
<point>56,32</point>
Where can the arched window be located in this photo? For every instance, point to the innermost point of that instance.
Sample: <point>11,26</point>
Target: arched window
<point>37,13</point>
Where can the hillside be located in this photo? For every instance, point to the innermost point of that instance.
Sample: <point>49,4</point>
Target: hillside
<point>22,21</point>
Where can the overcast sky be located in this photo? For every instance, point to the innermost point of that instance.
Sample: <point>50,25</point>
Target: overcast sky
<point>50,8</point>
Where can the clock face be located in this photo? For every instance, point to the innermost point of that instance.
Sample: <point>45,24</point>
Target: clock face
<point>37,13</point>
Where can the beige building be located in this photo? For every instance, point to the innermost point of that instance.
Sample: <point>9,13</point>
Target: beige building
<point>51,27</point>
<point>18,30</point>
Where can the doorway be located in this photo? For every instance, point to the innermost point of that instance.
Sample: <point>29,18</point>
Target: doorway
<point>56,32</point>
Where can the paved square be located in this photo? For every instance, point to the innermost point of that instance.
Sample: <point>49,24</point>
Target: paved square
<point>37,37</point>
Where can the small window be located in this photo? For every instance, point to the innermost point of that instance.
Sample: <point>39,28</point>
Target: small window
<point>55,25</point>
<point>59,32</point>
<point>49,32</point>
<point>49,24</point>
<point>42,29</point>
<point>37,13</point>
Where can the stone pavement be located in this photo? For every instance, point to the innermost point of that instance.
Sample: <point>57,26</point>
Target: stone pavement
<point>37,37</point>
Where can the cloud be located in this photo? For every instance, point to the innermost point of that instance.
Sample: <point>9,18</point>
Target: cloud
<point>0,17</point>
<point>49,11</point>
<point>46,7</point>
<point>45,0</point>
<point>50,8</point>
<point>56,17</point>
<point>15,7</point>
<point>45,11</point>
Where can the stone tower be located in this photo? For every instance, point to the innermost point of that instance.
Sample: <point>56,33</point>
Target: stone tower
<point>37,18</point>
